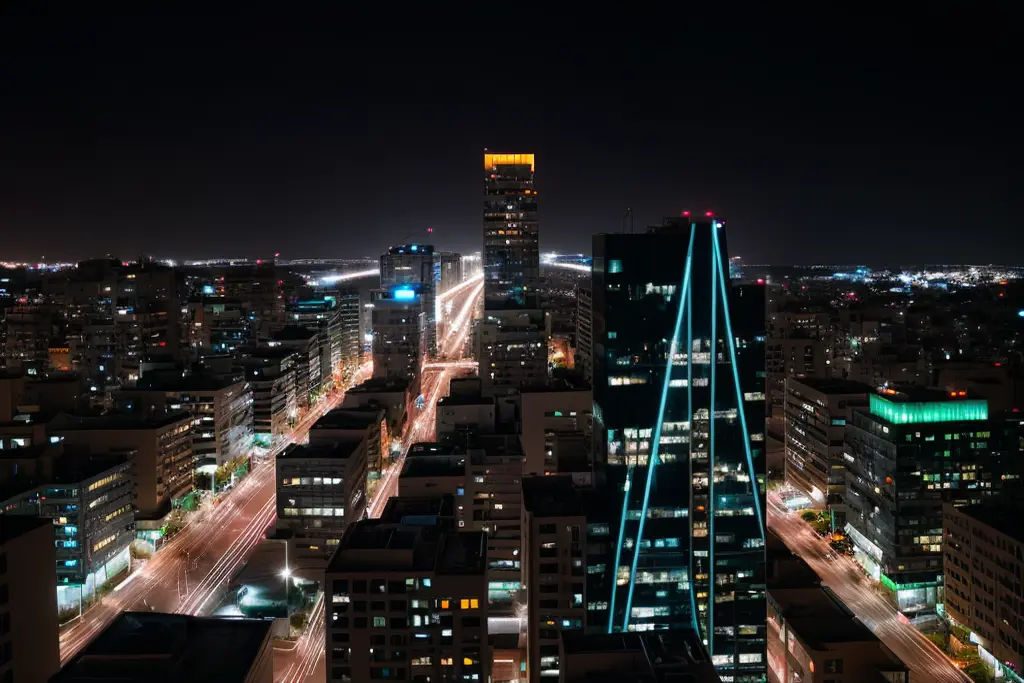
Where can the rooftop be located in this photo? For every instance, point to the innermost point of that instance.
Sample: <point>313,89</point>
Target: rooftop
<point>1002,514</point>
<point>350,418</point>
<point>65,422</point>
<point>336,449</point>
<point>654,657</point>
<point>294,333</point>
<point>195,382</point>
<point>464,400</point>
<point>15,526</point>
<point>434,466</point>
<point>834,385</point>
<point>919,406</point>
<point>418,510</point>
<point>375,545</point>
<point>552,497</point>
<point>380,384</point>
<point>150,646</point>
<point>819,617</point>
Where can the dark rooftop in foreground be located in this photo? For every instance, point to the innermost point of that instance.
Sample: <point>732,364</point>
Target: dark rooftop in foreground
<point>819,617</point>
<point>195,382</point>
<point>379,384</point>
<point>655,657</point>
<point>554,496</point>
<point>115,421</point>
<point>349,418</point>
<point>145,647</point>
<point>338,448</point>
<point>1002,514</point>
<point>374,545</point>
<point>14,526</point>
<point>418,510</point>
<point>835,385</point>
<point>436,466</point>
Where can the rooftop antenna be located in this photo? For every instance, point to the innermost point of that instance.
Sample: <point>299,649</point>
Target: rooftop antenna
<point>629,215</point>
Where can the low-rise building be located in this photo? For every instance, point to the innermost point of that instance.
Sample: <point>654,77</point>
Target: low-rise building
<point>407,602</point>
<point>813,637</point>
<point>271,374</point>
<point>390,393</point>
<point>153,646</point>
<point>321,489</point>
<point>677,655</point>
<point>984,558</point>
<point>160,448</point>
<point>88,499</point>
<point>29,638</point>
<point>221,407</point>
<point>369,424</point>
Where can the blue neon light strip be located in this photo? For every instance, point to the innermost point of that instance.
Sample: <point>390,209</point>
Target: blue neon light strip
<point>639,537</point>
<point>618,548</point>
<point>710,635</point>
<point>739,395</point>
<point>689,408</point>
<point>656,447</point>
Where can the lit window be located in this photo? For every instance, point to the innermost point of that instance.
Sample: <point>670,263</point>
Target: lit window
<point>464,603</point>
<point>445,604</point>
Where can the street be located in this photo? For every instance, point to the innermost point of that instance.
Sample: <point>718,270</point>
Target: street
<point>190,572</point>
<point>926,662</point>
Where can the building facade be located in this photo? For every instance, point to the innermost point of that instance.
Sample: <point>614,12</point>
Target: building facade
<point>679,408</point>
<point>416,264</point>
<point>511,255</point>
<point>908,454</point>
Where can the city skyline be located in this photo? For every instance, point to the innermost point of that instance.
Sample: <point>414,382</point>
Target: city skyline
<point>294,151</point>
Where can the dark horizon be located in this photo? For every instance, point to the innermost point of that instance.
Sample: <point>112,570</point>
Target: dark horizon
<point>827,141</point>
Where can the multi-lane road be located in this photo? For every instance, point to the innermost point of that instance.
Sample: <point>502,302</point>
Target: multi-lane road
<point>926,662</point>
<point>307,659</point>
<point>191,571</point>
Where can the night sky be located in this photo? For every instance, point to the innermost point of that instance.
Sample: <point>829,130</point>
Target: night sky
<point>834,138</point>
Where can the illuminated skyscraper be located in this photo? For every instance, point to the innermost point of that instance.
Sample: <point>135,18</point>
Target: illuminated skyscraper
<point>511,243</point>
<point>510,340</point>
<point>679,392</point>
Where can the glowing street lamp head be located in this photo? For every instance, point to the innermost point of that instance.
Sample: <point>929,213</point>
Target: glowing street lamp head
<point>286,573</point>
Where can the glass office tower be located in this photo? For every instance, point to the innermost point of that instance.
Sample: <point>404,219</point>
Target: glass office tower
<point>679,393</point>
<point>511,256</point>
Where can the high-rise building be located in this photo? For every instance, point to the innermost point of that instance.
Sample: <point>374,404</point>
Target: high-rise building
<point>910,452</point>
<point>510,340</point>
<point>679,407</point>
<point>415,264</point>
<point>511,238</point>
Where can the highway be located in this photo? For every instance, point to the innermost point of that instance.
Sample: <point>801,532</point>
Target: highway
<point>190,572</point>
<point>926,662</point>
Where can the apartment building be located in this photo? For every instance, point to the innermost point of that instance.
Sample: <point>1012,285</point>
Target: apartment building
<point>88,500</point>
<point>220,405</point>
<point>484,475</point>
<point>321,489</point>
<point>160,449</point>
<point>271,374</point>
<point>817,411</point>
<point>368,424</point>
<point>407,602</point>
<point>984,557</point>
<point>29,644</point>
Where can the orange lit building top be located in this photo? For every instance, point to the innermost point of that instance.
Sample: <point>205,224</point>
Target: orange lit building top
<point>492,160</point>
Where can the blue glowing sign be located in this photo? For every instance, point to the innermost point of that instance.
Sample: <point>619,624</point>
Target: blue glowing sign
<point>404,294</point>
<point>1020,313</point>
<point>207,289</point>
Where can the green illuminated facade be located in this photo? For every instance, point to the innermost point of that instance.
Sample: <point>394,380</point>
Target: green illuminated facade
<point>899,412</point>
<point>906,457</point>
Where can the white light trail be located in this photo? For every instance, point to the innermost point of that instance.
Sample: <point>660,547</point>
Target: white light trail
<point>331,279</point>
